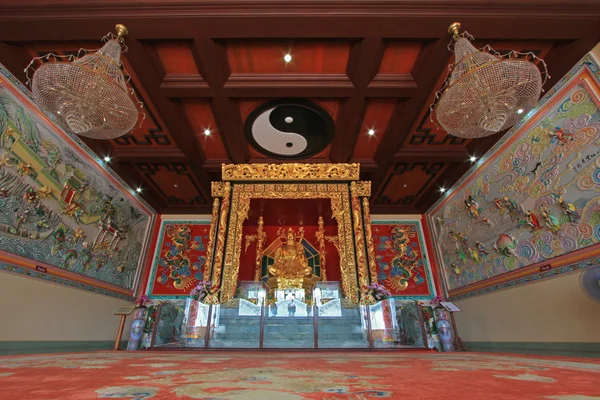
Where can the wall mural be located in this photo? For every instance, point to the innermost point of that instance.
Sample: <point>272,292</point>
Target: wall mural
<point>537,197</point>
<point>58,206</point>
<point>402,266</point>
<point>179,259</point>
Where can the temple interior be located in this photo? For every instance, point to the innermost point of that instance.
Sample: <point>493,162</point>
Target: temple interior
<point>287,200</point>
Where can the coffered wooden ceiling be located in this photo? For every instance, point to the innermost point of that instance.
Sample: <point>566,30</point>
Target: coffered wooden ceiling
<point>370,64</point>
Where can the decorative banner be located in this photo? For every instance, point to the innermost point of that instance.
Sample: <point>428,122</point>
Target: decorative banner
<point>180,258</point>
<point>401,263</point>
<point>76,221</point>
<point>534,198</point>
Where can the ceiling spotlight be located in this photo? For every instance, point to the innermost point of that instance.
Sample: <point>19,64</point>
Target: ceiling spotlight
<point>207,132</point>
<point>371,132</point>
<point>405,185</point>
<point>520,111</point>
<point>175,185</point>
<point>107,159</point>
<point>287,58</point>
<point>473,158</point>
<point>442,189</point>
<point>139,190</point>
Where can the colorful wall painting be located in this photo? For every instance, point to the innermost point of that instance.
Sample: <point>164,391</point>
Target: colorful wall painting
<point>402,264</point>
<point>60,207</point>
<point>534,197</point>
<point>180,258</point>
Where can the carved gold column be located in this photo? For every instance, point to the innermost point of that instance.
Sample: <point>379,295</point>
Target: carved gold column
<point>219,189</point>
<point>320,236</point>
<point>261,236</point>
<point>369,239</point>
<point>347,256</point>
<point>239,208</point>
<point>211,238</point>
<point>361,257</point>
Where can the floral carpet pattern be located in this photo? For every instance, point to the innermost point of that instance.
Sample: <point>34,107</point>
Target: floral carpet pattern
<point>295,376</point>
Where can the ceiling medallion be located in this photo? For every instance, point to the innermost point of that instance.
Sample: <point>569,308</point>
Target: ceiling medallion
<point>485,92</point>
<point>88,95</point>
<point>289,129</point>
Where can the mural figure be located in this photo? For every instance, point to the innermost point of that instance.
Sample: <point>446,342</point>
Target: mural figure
<point>506,245</point>
<point>532,220</point>
<point>559,136</point>
<point>551,221</point>
<point>569,209</point>
<point>482,250</point>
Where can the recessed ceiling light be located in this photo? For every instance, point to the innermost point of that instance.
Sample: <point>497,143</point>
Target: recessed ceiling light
<point>442,189</point>
<point>287,58</point>
<point>371,132</point>
<point>207,132</point>
<point>473,158</point>
<point>405,185</point>
<point>520,111</point>
<point>107,159</point>
<point>175,185</point>
<point>139,190</point>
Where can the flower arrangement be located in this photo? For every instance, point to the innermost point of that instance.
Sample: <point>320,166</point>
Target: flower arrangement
<point>436,301</point>
<point>378,292</point>
<point>201,290</point>
<point>141,301</point>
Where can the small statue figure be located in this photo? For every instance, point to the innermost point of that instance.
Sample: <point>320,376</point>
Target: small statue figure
<point>560,136</point>
<point>551,221</point>
<point>290,261</point>
<point>569,209</point>
<point>487,221</point>
<point>511,204</point>
<point>473,254</point>
<point>499,206</point>
<point>532,220</point>
<point>461,254</point>
<point>30,195</point>
<point>472,206</point>
<point>482,250</point>
<point>455,268</point>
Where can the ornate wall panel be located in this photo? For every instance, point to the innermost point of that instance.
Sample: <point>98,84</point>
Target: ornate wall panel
<point>180,258</point>
<point>535,198</point>
<point>60,207</point>
<point>402,265</point>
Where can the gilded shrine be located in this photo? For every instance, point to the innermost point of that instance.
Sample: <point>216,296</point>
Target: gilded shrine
<point>289,261</point>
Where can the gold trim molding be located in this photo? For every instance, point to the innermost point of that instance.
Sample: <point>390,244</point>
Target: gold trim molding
<point>291,172</point>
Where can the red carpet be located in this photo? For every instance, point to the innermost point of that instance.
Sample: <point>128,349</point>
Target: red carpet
<point>292,376</point>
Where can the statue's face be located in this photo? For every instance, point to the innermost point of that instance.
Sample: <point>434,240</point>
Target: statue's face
<point>290,237</point>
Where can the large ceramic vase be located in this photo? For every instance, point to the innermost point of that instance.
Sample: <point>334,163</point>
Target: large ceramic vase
<point>137,328</point>
<point>444,328</point>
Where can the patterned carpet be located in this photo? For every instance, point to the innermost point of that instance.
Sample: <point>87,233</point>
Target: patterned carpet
<point>294,376</point>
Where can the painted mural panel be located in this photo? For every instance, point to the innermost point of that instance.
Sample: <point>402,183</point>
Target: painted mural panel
<point>402,265</point>
<point>59,207</point>
<point>537,197</point>
<point>180,258</point>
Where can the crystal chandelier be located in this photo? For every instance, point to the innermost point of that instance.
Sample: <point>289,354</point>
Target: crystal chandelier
<point>88,95</point>
<point>485,92</point>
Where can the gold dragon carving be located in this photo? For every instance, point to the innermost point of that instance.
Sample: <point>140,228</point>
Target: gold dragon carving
<point>291,172</point>
<point>211,237</point>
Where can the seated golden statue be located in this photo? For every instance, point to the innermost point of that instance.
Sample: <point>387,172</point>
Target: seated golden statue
<point>290,261</point>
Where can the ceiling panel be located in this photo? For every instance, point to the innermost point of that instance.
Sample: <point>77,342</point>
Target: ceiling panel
<point>174,182</point>
<point>377,117</point>
<point>399,57</point>
<point>267,57</point>
<point>199,114</point>
<point>176,57</point>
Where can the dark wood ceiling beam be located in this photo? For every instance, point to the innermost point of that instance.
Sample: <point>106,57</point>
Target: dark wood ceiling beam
<point>134,179</point>
<point>211,61</point>
<point>15,59</point>
<point>569,23</point>
<point>430,64</point>
<point>172,113</point>
<point>431,155</point>
<point>187,209</point>
<point>447,179</point>
<point>563,56</point>
<point>288,85</point>
<point>140,154</point>
<point>363,63</point>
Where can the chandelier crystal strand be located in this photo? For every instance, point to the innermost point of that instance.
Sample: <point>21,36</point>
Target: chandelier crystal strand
<point>88,96</point>
<point>486,93</point>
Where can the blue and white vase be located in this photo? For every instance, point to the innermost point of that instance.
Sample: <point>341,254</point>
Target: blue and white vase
<point>137,329</point>
<point>444,329</point>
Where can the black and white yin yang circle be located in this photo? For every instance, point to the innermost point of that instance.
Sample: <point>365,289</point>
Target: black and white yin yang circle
<point>289,128</point>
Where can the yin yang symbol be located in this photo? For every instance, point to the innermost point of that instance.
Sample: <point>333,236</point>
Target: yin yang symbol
<point>289,128</point>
